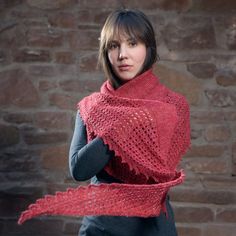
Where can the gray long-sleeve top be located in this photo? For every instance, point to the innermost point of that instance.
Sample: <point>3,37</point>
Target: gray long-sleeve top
<point>87,160</point>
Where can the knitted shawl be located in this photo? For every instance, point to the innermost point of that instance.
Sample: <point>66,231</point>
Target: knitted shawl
<point>147,126</point>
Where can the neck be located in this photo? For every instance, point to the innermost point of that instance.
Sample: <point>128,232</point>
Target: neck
<point>116,82</point>
<point>140,85</point>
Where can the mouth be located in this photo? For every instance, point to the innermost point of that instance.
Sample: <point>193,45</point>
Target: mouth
<point>124,67</point>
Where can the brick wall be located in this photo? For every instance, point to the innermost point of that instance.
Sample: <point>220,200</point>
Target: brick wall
<point>48,52</point>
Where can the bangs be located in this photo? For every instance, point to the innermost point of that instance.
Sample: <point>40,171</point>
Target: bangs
<point>127,27</point>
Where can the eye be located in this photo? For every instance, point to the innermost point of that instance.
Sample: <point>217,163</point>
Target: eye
<point>133,43</point>
<point>112,45</point>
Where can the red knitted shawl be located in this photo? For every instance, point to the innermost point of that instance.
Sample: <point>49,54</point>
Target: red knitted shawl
<point>147,126</point>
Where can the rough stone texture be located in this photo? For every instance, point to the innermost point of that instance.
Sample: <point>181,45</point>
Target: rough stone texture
<point>7,4</point>
<point>167,5</point>
<point>63,101</point>
<point>41,70</point>
<point>89,63</point>
<point>226,78</point>
<point>194,214</point>
<point>55,157</point>
<point>226,26</point>
<point>208,195</point>
<point>44,226</point>
<point>234,152</point>
<point>217,6</point>
<point>220,229</point>
<point>189,33</point>
<point>16,89</point>
<point>83,39</point>
<point>48,62</point>
<point>226,215</point>
<point>21,161</point>
<point>71,86</point>
<point>18,118</point>
<point>217,134</point>
<point>221,98</point>
<point>91,17</point>
<point>207,166</point>
<point>44,38</point>
<point>45,5</point>
<point>29,55</point>
<point>32,137</point>
<point>9,135</point>
<point>202,70</point>
<point>45,85</point>
<point>14,199</point>
<point>206,151</point>
<point>53,120</point>
<point>65,58</point>
<point>208,117</point>
<point>195,134</point>
<point>13,37</point>
<point>186,231</point>
<point>63,20</point>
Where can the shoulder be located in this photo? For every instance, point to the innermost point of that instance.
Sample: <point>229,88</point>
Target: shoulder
<point>175,98</point>
<point>88,100</point>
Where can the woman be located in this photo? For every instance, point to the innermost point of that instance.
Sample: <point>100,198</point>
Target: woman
<point>128,138</point>
<point>127,53</point>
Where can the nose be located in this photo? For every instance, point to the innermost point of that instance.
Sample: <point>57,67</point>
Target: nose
<point>122,53</point>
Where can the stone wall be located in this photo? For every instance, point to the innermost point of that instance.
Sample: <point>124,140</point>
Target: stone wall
<point>48,53</point>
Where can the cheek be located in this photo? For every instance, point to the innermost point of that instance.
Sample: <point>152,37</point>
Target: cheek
<point>111,56</point>
<point>141,55</point>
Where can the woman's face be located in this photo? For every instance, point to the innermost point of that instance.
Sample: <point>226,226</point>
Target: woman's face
<point>127,56</point>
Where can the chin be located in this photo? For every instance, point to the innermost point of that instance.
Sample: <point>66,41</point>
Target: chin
<point>126,79</point>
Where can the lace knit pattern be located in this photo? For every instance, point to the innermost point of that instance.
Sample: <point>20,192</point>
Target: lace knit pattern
<point>113,199</point>
<point>147,126</point>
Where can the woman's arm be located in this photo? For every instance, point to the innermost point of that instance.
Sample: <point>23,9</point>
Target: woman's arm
<point>86,159</point>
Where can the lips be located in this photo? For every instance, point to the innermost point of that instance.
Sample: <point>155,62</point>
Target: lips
<point>124,67</point>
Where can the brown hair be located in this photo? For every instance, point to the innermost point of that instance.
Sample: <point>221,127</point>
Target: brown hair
<point>133,23</point>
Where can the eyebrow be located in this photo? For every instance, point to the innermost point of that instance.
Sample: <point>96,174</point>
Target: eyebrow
<point>128,40</point>
<point>114,41</point>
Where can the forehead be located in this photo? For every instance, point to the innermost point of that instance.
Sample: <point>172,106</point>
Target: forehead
<point>121,38</point>
<point>122,32</point>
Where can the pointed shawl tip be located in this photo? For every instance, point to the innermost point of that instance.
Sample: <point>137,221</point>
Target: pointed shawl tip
<point>33,210</point>
<point>24,217</point>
